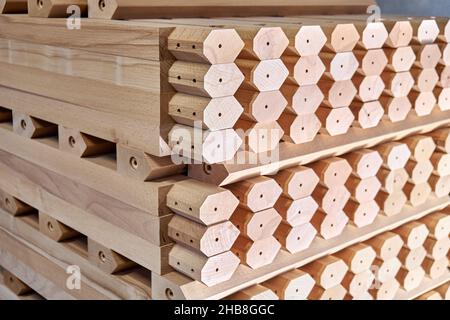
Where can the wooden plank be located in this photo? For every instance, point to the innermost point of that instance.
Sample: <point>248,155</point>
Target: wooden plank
<point>120,9</point>
<point>133,285</point>
<point>98,174</point>
<point>13,6</point>
<point>182,288</point>
<point>322,147</point>
<point>55,8</point>
<point>57,205</point>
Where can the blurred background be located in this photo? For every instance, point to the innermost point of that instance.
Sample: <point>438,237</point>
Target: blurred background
<point>415,7</point>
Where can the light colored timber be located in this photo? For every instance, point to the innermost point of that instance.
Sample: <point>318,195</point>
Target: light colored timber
<point>444,98</point>
<point>46,154</point>
<point>396,109</point>
<point>437,248</point>
<point>201,202</point>
<point>106,259</point>
<point>438,224</point>
<point>259,137</point>
<point>56,8</point>
<point>424,102</point>
<point>372,62</point>
<point>395,154</point>
<point>54,229</point>
<point>391,204</point>
<point>129,285</point>
<point>208,240</point>
<point>210,271</point>
<point>442,139</point>
<point>358,257</point>
<point>385,291</point>
<point>410,279</point>
<point>82,145</point>
<point>363,190</point>
<point>142,166</point>
<point>428,56</point>
<point>417,194</point>
<point>267,75</point>
<point>443,74</point>
<point>199,145</point>
<point>212,114</point>
<point>302,100</point>
<point>441,163</point>
<point>296,212</point>
<point>43,273</point>
<point>293,155</point>
<point>257,292</point>
<point>297,182</point>
<point>358,284</point>
<point>337,93</point>
<point>14,206</point>
<point>412,258</point>
<point>332,171</point>
<point>386,245</point>
<point>419,172</point>
<point>299,129</point>
<point>258,225</point>
<point>31,127</point>
<point>435,268</point>
<point>256,254</point>
<point>361,214</point>
<point>261,107</point>
<point>205,80</point>
<point>183,288</point>
<point>370,88</point>
<point>440,185</point>
<point>335,293</point>
<point>365,163</point>
<point>256,194</point>
<point>13,6</point>
<point>119,9</point>
<point>421,146</point>
<point>304,71</point>
<point>427,79</point>
<point>292,285</point>
<point>19,178</point>
<point>328,272</point>
<point>333,200</point>
<point>398,84</point>
<point>386,270</point>
<point>392,180</point>
<point>336,121</point>
<point>367,114</point>
<point>295,239</point>
<point>214,46</point>
<point>330,226</point>
<point>400,59</point>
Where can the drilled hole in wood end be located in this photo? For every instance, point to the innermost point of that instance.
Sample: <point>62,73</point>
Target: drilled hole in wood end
<point>23,124</point>
<point>260,253</point>
<point>50,226</point>
<point>7,202</point>
<point>261,225</point>
<point>72,141</point>
<point>101,4</point>
<point>220,46</point>
<point>102,256</point>
<point>11,279</point>
<point>217,239</point>
<point>40,4</point>
<point>134,163</point>
<point>207,168</point>
<point>169,293</point>
<point>217,269</point>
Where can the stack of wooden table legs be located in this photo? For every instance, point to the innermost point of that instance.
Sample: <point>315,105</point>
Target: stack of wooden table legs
<point>236,158</point>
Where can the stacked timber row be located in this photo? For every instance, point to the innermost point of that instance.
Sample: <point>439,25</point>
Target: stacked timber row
<point>121,152</point>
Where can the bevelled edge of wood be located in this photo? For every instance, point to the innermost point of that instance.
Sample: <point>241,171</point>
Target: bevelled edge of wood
<point>245,277</point>
<point>322,147</point>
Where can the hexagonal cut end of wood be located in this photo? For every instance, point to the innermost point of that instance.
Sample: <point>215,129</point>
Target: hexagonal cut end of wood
<point>415,234</point>
<point>301,182</point>
<point>263,195</point>
<point>387,269</point>
<point>270,43</point>
<point>292,285</point>
<point>301,211</point>
<point>386,290</point>
<point>102,9</point>
<point>304,128</point>
<point>223,234</point>
<point>333,171</point>
<point>268,106</point>
<point>359,283</point>
<point>371,88</point>
<point>333,273</point>
<point>401,34</point>
<point>398,155</point>
<point>299,238</point>
<point>335,199</point>
<point>430,55</point>
<point>343,66</point>
<point>55,229</point>
<point>333,225</point>
<point>342,93</point>
<point>220,146</point>
<point>308,70</point>
<point>422,147</point>
<point>428,78</point>
<point>222,46</point>
<point>367,189</point>
<point>310,40</point>
<point>223,80</point>
<point>217,113</point>
<point>425,103</point>
<point>14,206</point>
<point>428,31</point>
<point>368,163</point>
<point>362,258</point>
<point>370,114</point>
<point>413,279</point>
<point>212,210</point>
<point>269,75</point>
<point>374,35</point>
<point>365,213</point>
<point>375,61</point>
<point>344,37</point>
<point>263,224</point>
<point>262,252</point>
<point>307,99</point>
<point>403,59</point>
<point>401,84</point>
<point>390,246</point>
<point>106,259</point>
<point>219,268</point>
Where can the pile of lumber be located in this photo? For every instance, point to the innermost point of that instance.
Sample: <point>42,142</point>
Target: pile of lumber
<point>223,157</point>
